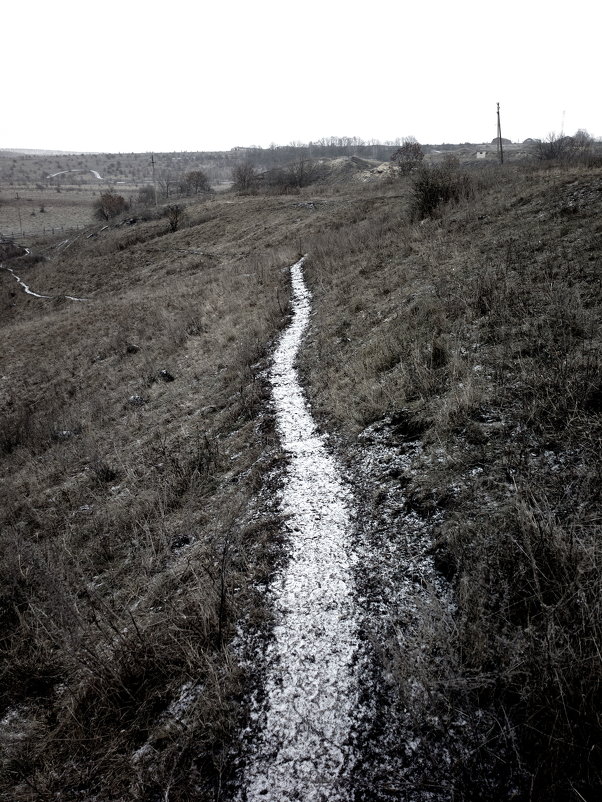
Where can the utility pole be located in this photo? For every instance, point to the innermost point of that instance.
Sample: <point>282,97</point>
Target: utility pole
<point>154,182</point>
<point>500,147</point>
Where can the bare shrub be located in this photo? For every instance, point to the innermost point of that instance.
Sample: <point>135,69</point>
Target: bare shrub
<point>568,149</point>
<point>195,182</point>
<point>146,195</point>
<point>245,177</point>
<point>175,214</point>
<point>438,185</point>
<point>109,205</point>
<point>409,156</point>
<point>293,177</point>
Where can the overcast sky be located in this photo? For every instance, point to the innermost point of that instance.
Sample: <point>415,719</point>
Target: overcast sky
<point>127,75</point>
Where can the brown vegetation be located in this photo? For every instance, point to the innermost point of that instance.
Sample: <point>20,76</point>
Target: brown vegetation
<point>135,438</point>
<point>131,455</point>
<point>481,330</point>
<point>109,205</point>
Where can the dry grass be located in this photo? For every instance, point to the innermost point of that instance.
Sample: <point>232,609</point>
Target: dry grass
<point>132,533</point>
<point>133,443</point>
<point>482,326</point>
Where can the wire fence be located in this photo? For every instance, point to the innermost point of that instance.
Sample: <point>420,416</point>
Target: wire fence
<point>39,232</point>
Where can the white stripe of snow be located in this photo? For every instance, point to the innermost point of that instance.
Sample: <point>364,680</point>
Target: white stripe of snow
<point>37,295</point>
<point>95,173</point>
<point>24,285</point>
<point>303,751</point>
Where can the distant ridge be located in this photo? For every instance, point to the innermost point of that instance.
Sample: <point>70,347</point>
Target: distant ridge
<point>42,152</point>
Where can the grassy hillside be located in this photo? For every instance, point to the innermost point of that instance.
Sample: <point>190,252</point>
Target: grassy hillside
<point>478,331</point>
<point>138,458</point>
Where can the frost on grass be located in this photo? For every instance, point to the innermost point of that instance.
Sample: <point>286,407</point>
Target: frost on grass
<point>303,747</point>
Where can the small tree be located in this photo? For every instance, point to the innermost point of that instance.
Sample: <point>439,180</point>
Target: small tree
<point>409,156</point>
<point>168,182</point>
<point>109,205</point>
<point>299,174</point>
<point>582,144</point>
<point>244,177</point>
<point>552,148</point>
<point>302,173</point>
<point>195,182</point>
<point>174,213</point>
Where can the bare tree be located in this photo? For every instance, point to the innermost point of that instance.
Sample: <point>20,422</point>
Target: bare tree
<point>303,172</point>
<point>552,148</point>
<point>245,177</point>
<point>299,174</point>
<point>582,144</point>
<point>168,183</point>
<point>109,205</point>
<point>195,182</point>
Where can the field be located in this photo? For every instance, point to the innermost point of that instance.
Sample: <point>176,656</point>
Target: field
<point>41,192</point>
<point>454,358</point>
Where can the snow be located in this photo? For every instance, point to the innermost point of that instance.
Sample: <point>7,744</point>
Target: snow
<point>24,285</point>
<point>35,294</point>
<point>95,173</point>
<point>304,746</point>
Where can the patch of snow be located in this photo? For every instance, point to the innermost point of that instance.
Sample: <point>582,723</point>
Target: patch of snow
<point>81,170</point>
<point>303,749</point>
<point>24,285</point>
<point>37,295</point>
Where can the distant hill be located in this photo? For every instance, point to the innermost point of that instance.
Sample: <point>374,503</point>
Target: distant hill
<point>40,152</point>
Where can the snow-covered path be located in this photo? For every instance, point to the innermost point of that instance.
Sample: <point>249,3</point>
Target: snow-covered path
<point>95,173</point>
<point>28,291</point>
<point>304,750</point>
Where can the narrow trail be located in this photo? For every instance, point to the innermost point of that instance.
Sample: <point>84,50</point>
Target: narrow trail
<point>304,749</point>
<point>29,291</point>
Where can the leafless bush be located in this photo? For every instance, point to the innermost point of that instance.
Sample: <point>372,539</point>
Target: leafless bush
<point>245,177</point>
<point>109,205</point>
<point>195,182</point>
<point>438,185</point>
<point>567,149</point>
<point>175,214</point>
<point>293,177</point>
<point>409,156</point>
<point>147,195</point>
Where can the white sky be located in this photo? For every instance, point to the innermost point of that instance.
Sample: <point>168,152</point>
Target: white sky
<point>127,75</point>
